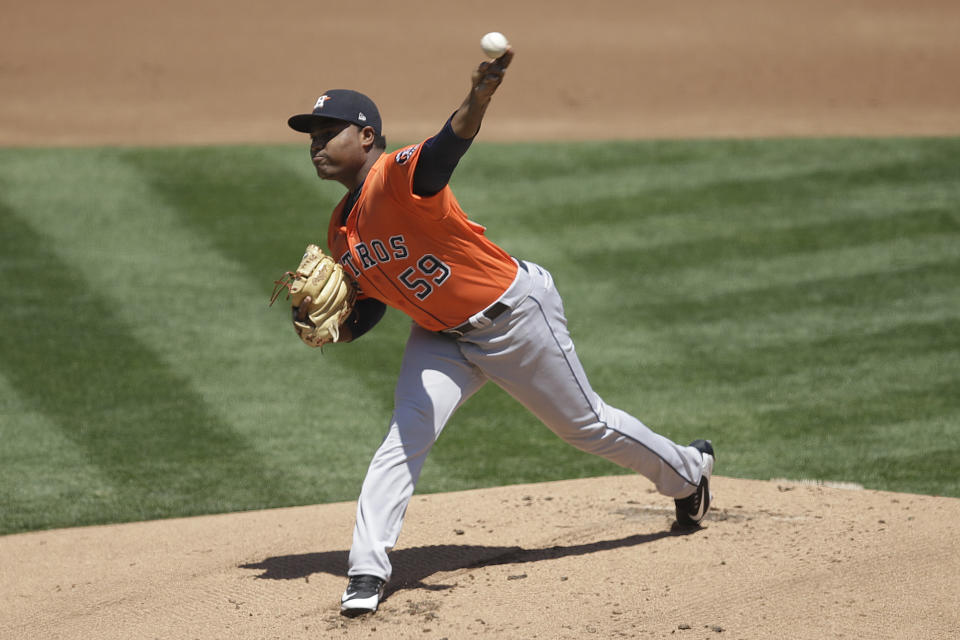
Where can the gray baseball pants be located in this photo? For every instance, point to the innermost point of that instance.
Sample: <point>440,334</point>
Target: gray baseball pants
<point>528,352</point>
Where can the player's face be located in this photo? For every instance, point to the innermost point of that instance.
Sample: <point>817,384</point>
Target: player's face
<point>335,150</point>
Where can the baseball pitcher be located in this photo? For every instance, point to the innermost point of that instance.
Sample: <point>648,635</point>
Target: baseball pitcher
<point>479,314</point>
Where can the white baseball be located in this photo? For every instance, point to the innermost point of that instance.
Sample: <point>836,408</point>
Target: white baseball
<point>494,44</point>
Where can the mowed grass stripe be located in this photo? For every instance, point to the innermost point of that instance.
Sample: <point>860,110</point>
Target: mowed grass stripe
<point>802,237</point>
<point>835,304</point>
<point>742,274</point>
<point>851,419</point>
<point>221,356</point>
<point>141,425</point>
<point>42,471</point>
<point>722,190</point>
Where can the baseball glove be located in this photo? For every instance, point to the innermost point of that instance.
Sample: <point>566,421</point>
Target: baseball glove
<point>332,296</point>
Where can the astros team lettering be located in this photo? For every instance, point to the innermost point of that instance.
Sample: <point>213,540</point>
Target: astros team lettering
<point>430,272</point>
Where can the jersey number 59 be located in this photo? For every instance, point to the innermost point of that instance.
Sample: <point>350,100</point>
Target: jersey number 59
<point>431,270</point>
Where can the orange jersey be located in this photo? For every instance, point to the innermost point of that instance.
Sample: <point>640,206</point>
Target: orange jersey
<point>420,255</point>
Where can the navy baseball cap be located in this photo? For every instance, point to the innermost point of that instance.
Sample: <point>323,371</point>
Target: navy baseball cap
<point>339,104</point>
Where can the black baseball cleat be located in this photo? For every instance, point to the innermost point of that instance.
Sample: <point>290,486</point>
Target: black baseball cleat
<point>692,509</point>
<point>362,596</point>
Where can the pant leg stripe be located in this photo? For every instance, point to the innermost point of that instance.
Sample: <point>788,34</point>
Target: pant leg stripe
<point>590,404</point>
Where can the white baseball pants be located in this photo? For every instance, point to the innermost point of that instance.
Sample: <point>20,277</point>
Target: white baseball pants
<point>528,352</point>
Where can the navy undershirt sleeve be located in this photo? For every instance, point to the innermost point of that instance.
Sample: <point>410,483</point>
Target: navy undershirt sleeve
<point>366,313</point>
<point>438,159</point>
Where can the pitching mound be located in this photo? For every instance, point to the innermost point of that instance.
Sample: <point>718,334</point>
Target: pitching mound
<point>573,559</point>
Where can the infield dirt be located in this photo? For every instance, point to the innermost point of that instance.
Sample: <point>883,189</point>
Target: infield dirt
<point>187,71</point>
<point>574,559</point>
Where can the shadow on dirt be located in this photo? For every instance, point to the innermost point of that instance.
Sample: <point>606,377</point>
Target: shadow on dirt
<point>411,566</point>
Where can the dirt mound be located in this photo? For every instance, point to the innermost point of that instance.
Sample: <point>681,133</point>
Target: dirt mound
<point>573,559</point>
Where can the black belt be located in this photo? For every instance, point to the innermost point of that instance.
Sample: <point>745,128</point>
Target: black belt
<point>491,312</point>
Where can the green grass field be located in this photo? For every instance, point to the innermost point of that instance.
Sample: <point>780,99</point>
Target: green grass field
<point>797,301</point>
